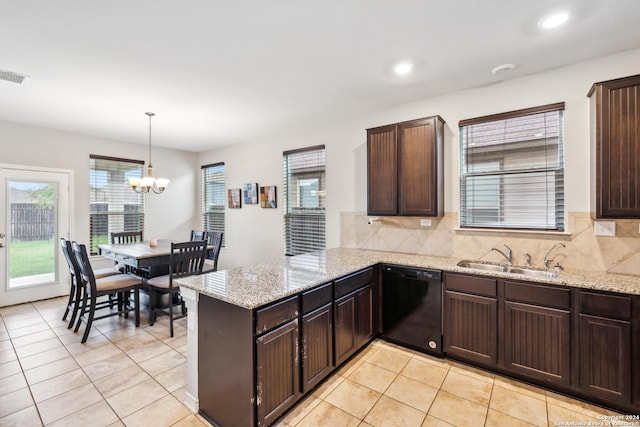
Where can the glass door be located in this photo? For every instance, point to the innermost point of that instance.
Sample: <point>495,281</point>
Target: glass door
<point>34,214</point>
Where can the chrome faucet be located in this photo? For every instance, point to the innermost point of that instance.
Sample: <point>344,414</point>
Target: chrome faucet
<point>548,261</point>
<point>508,255</point>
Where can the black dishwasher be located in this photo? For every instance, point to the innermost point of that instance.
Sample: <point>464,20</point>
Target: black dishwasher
<point>412,308</point>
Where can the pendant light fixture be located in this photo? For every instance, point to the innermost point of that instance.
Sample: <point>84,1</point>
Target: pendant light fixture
<point>143,185</point>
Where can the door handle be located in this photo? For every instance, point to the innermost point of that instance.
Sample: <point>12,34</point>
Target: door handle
<point>2,235</point>
<point>1,245</point>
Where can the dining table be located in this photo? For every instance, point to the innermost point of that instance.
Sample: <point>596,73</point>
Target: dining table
<point>142,257</point>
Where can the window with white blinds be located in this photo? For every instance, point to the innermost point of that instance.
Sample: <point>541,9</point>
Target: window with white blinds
<point>114,206</point>
<point>512,170</point>
<point>304,196</point>
<point>213,198</point>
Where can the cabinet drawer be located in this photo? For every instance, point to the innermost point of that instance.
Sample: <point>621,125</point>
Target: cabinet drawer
<point>538,294</point>
<point>605,305</point>
<point>350,283</point>
<point>470,284</point>
<point>316,298</point>
<point>276,314</point>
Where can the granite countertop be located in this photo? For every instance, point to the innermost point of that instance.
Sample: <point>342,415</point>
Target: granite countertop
<point>256,285</point>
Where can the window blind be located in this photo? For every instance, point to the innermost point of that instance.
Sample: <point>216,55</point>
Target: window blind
<point>304,197</point>
<point>114,206</point>
<point>213,198</point>
<point>512,170</point>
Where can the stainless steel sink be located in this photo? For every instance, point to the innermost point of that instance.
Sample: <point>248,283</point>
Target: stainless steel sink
<point>500,268</point>
<point>479,265</point>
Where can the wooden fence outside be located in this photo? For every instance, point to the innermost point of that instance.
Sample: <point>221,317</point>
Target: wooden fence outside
<point>32,221</point>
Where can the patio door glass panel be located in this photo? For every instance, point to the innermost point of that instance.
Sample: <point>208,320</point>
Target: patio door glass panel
<point>35,214</point>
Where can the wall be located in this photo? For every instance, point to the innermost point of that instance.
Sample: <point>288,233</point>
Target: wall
<point>168,215</point>
<point>255,235</point>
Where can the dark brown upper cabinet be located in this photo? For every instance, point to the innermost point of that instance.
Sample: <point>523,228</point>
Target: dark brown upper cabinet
<point>615,148</point>
<point>405,168</point>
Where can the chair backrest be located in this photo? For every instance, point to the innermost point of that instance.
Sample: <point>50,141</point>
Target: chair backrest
<point>86,272</point>
<point>187,258</point>
<point>198,235</point>
<point>215,240</point>
<point>67,251</point>
<point>126,237</point>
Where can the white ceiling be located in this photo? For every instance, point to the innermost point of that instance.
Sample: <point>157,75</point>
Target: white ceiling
<point>221,72</point>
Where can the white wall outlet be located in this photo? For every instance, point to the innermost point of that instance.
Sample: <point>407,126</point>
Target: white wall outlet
<point>604,228</point>
<point>425,223</point>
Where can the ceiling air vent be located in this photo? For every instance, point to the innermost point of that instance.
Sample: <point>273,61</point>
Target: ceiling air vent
<point>10,76</point>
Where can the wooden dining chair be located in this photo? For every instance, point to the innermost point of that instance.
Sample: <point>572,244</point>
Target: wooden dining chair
<point>214,240</point>
<point>123,237</point>
<point>197,235</point>
<point>75,281</point>
<point>93,288</point>
<point>185,259</point>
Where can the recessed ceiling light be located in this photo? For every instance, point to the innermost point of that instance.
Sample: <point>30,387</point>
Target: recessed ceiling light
<point>403,68</point>
<point>503,69</point>
<point>555,20</point>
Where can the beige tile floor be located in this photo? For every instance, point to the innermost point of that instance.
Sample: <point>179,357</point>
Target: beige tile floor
<point>137,377</point>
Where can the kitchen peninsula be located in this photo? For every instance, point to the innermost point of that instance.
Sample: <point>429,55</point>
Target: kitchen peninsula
<point>244,319</point>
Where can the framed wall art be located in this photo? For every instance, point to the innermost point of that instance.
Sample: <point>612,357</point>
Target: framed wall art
<point>268,197</point>
<point>251,194</point>
<point>234,198</point>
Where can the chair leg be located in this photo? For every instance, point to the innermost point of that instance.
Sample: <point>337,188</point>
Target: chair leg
<point>76,305</point>
<point>72,295</point>
<point>83,310</point>
<point>122,302</point>
<point>136,305</point>
<point>171,315</point>
<point>152,306</point>
<point>92,312</point>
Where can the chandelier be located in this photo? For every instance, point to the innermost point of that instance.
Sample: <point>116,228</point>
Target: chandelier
<point>148,182</point>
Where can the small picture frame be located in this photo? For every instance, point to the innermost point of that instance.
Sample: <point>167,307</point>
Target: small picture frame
<point>268,197</point>
<point>234,198</point>
<point>251,194</point>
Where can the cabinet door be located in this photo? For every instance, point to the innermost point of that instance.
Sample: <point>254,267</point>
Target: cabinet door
<point>605,358</point>
<point>418,168</point>
<point>537,342</point>
<point>317,346</point>
<point>345,328</point>
<point>278,377</point>
<point>382,170</point>
<point>617,129</point>
<point>364,313</point>
<point>471,327</point>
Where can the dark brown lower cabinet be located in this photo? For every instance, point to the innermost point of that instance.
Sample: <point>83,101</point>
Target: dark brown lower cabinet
<point>317,346</point>
<point>537,331</point>
<point>537,342</point>
<point>364,311</point>
<point>606,368</point>
<point>471,327</point>
<point>605,358</point>
<point>353,322</point>
<point>277,372</point>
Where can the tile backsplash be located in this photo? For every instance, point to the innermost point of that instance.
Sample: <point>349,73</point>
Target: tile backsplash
<point>583,251</point>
